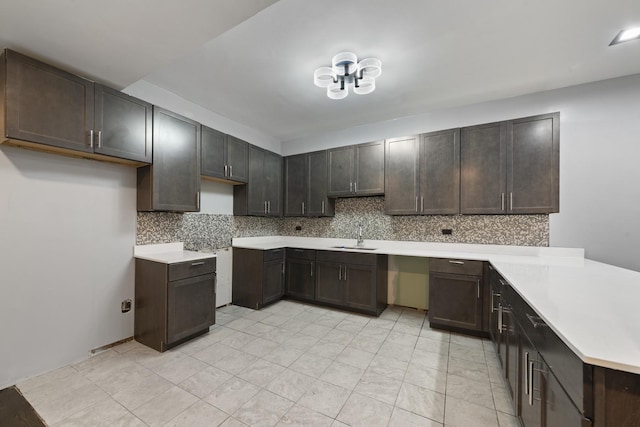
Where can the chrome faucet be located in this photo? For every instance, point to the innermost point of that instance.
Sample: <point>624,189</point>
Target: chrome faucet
<point>360,240</point>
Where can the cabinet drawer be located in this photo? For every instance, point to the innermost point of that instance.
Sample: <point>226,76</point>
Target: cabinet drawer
<point>193,268</point>
<point>455,266</point>
<point>306,254</point>
<point>346,257</point>
<point>273,254</point>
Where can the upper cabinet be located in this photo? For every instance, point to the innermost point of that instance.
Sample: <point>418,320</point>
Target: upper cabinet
<point>262,195</point>
<point>423,173</point>
<point>172,183</point>
<point>52,110</point>
<point>356,170</point>
<point>511,167</point>
<point>305,185</point>
<point>224,157</point>
<point>533,164</point>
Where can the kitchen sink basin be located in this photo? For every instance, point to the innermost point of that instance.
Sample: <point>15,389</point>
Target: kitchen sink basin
<point>354,247</point>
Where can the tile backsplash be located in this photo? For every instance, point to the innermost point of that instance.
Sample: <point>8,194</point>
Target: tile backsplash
<point>200,231</point>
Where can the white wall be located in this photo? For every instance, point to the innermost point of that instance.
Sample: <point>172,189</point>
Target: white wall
<point>216,198</point>
<point>67,229</point>
<point>599,159</point>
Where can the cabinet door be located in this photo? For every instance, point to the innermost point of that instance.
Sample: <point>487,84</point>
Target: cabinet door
<point>300,279</point>
<point>402,176</point>
<point>273,183</point>
<point>176,162</point>
<point>533,164</point>
<point>294,186</point>
<point>213,159</point>
<point>512,350</point>
<point>455,300</point>
<point>190,306</point>
<point>558,409</point>
<point>440,172</point>
<point>318,204</point>
<point>360,284</point>
<point>330,287</point>
<point>123,125</point>
<point>482,169</point>
<point>369,169</point>
<point>340,167</point>
<point>46,105</point>
<point>255,198</point>
<point>237,155</point>
<point>273,281</point>
<point>529,390</point>
<point>494,301</point>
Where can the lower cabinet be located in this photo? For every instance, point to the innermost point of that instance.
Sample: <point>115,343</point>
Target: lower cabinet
<point>173,302</point>
<point>354,281</point>
<point>258,277</point>
<point>300,276</point>
<point>456,290</point>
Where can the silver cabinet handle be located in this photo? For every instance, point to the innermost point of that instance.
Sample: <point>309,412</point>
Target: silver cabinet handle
<point>534,321</point>
<point>268,206</point>
<point>502,201</point>
<point>421,203</point>
<point>226,168</point>
<point>351,187</point>
<point>355,187</point>
<point>493,294</point>
<point>265,206</point>
<point>451,261</point>
<point>99,139</point>
<point>526,372</point>
<point>283,268</point>
<point>91,138</point>
<point>499,318</point>
<point>322,207</point>
<point>311,265</point>
<point>340,273</point>
<point>302,208</point>
<point>230,170</point>
<point>478,286</point>
<point>194,264</point>
<point>530,374</point>
<point>345,272</point>
<point>511,201</point>
<point>416,203</point>
<point>197,200</point>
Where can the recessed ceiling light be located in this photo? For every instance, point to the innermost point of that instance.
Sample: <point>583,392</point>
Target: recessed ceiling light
<point>626,35</point>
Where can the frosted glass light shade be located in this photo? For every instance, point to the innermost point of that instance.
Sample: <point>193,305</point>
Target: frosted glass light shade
<point>340,60</point>
<point>371,67</point>
<point>323,77</point>
<point>365,85</point>
<point>334,91</point>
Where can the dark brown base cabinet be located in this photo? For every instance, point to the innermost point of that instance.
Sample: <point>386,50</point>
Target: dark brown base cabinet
<point>549,384</point>
<point>173,302</point>
<point>352,281</point>
<point>456,294</point>
<point>300,280</point>
<point>258,277</point>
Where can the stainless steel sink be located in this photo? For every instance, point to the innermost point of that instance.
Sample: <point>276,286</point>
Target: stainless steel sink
<point>354,247</point>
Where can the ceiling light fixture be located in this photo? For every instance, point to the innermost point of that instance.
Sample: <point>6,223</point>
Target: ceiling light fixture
<point>346,70</point>
<point>626,35</point>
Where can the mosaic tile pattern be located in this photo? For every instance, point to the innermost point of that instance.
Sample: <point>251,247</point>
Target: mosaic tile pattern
<point>203,231</point>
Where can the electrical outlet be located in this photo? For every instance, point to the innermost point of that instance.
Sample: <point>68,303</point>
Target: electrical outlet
<point>126,305</point>
<point>447,231</point>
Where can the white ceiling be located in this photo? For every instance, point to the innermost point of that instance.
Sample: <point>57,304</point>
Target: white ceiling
<point>259,71</point>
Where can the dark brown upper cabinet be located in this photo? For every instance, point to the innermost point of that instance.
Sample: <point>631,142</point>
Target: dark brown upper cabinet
<point>533,164</point>
<point>423,174</point>
<point>52,110</point>
<point>172,183</point>
<point>356,170</point>
<point>511,166</point>
<point>262,195</point>
<point>305,185</point>
<point>224,157</point>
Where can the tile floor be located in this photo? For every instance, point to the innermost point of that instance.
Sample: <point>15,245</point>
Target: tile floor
<point>289,364</point>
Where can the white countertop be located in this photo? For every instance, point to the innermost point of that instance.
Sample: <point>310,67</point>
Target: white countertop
<point>593,307</point>
<point>168,253</point>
